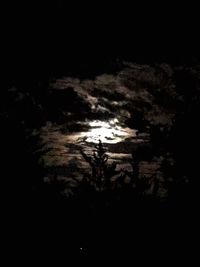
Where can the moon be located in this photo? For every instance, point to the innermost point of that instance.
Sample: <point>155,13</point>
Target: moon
<point>107,132</point>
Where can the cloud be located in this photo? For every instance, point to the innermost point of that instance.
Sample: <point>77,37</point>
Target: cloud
<point>132,96</point>
<point>134,89</point>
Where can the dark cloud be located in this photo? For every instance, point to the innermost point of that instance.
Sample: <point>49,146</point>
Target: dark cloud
<point>64,102</point>
<point>142,97</point>
<point>136,95</point>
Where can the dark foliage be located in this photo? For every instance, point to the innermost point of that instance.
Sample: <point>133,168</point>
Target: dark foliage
<point>101,171</point>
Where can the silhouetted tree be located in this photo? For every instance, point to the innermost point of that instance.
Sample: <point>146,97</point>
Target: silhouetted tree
<point>102,172</point>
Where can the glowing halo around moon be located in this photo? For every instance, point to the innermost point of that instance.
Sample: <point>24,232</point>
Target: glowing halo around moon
<point>107,132</point>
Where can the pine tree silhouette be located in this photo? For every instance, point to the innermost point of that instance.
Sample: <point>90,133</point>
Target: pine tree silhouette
<point>102,172</point>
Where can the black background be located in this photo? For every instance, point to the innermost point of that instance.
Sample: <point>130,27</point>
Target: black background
<point>46,39</point>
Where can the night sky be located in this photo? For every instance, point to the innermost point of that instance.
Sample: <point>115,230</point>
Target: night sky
<point>128,76</point>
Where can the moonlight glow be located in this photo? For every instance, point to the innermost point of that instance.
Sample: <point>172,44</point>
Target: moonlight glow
<point>107,132</point>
